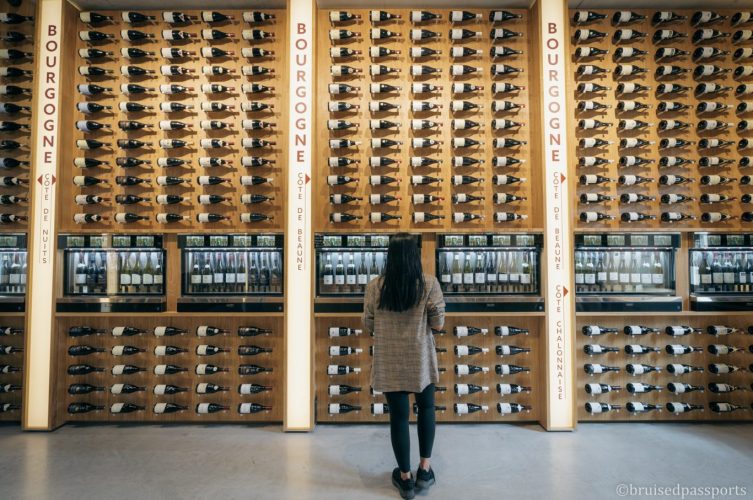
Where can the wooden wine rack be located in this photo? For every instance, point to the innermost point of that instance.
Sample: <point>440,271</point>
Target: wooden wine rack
<point>15,320</point>
<point>446,360</point>
<point>530,169</point>
<point>620,359</point>
<point>230,379</point>
<point>652,133</point>
<point>25,117</point>
<point>232,190</point>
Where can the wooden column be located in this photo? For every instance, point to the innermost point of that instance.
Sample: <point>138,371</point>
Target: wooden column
<point>558,240</point>
<point>299,246</point>
<point>52,16</point>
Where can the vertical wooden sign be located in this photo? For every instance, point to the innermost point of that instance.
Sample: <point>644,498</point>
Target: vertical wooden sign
<point>40,307</point>
<point>558,230</point>
<point>299,240</point>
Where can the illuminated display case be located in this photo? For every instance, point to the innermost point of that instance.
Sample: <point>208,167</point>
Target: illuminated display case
<point>626,272</point>
<point>345,264</point>
<point>13,269</point>
<point>497,272</point>
<point>231,272</point>
<point>112,273</point>
<point>721,272</point>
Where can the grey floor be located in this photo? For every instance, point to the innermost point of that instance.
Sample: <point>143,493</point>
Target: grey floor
<point>472,462</point>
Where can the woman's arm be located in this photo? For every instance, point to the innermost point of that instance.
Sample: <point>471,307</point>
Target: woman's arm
<point>435,306</point>
<point>368,309</point>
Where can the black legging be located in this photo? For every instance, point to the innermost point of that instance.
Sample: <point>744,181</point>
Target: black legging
<point>399,413</point>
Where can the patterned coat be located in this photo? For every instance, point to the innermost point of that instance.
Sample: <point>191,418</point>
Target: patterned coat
<point>405,357</point>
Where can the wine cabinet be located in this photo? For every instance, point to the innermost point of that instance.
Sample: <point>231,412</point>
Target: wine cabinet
<point>178,125</point>
<point>626,272</point>
<point>493,362</point>
<point>721,272</point>
<point>231,273</point>
<point>17,55</point>
<point>661,126</point>
<point>663,367</point>
<point>112,273</point>
<point>170,368</point>
<point>420,131</point>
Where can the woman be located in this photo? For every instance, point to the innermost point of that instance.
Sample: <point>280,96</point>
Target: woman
<point>401,308</point>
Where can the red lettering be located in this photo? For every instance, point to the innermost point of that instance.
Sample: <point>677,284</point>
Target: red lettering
<point>48,156</point>
<point>51,61</point>
<point>301,28</point>
<point>552,28</point>
<point>52,30</point>
<point>49,125</point>
<point>48,140</point>
<point>554,75</point>
<point>299,156</point>
<point>50,77</point>
<point>300,76</point>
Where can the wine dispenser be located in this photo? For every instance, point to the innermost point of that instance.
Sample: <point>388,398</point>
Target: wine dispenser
<point>490,272</point>
<point>13,268</point>
<point>112,273</point>
<point>721,272</point>
<point>231,272</point>
<point>345,264</point>
<point>626,272</point>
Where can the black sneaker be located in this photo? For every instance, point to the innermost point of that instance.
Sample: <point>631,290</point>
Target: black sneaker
<point>406,487</point>
<point>424,478</point>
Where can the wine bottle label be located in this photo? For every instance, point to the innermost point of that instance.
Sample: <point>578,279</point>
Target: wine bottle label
<point>118,369</point>
<point>461,331</point>
<point>160,350</point>
<point>417,217</point>
<point>135,279</point>
<point>117,350</point>
<point>457,279</point>
<point>116,407</point>
<point>125,278</point>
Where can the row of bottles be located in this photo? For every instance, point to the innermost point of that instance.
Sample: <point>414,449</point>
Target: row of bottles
<point>193,88</point>
<point>121,273</point>
<point>186,368</point>
<point>663,371</point>
<point>720,272</point>
<point>465,365</point>
<point>495,272</point>
<point>373,114</point>
<point>13,270</point>
<point>16,72</point>
<point>659,141</point>
<point>622,272</point>
<point>233,272</point>
<point>349,272</point>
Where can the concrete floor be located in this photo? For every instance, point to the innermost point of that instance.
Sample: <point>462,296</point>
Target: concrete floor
<point>339,462</point>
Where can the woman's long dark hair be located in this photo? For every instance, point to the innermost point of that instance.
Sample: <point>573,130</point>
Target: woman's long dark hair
<point>403,284</point>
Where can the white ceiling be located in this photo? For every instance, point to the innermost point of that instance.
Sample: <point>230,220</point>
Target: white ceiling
<point>178,4</point>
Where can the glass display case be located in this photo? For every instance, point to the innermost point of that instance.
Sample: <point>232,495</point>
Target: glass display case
<point>112,273</point>
<point>231,272</point>
<point>345,264</point>
<point>490,272</point>
<point>13,269</point>
<point>721,272</point>
<point>626,272</point>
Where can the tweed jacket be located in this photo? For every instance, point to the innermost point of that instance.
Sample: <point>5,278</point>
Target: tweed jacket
<point>405,357</point>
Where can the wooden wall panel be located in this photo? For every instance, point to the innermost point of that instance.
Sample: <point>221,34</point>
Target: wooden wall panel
<point>21,136</point>
<point>530,169</point>
<point>652,152</point>
<point>233,190</point>
<point>446,359</point>
<point>662,378</point>
<point>189,379</point>
<point>15,360</point>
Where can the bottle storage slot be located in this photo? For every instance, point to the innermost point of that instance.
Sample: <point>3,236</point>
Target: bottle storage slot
<point>13,272</point>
